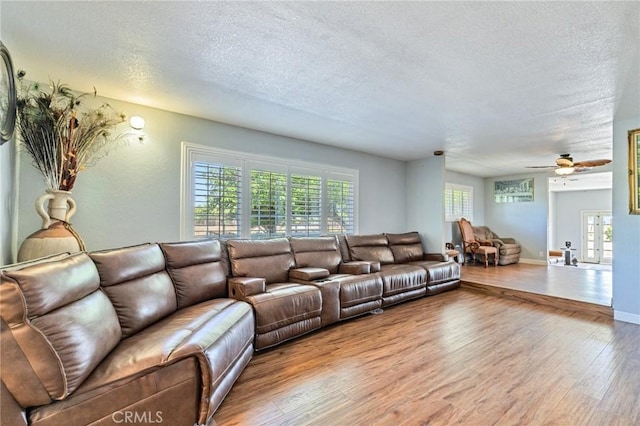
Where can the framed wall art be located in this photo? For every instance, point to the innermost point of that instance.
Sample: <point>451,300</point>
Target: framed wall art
<point>513,191</point>
<point>634,177</point>
<point>7,95</point>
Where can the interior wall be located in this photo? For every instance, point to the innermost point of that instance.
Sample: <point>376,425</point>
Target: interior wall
<point>8,195</point>
<point>452,232</point>
<point>567,215</point>
<point>132,195</point>
<point>425,201</point>
<point>526,222</point>
<point>626,242</point>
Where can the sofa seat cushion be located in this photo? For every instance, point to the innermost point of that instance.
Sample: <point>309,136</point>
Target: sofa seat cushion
<point>400,278</point>
<point>283,304</point>
<point>439,272</point>
<point>168,395</point>
<point>190,331</point>
<point>219,333</point>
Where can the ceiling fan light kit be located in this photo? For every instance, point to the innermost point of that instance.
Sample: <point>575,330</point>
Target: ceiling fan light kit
<point>564,171</point>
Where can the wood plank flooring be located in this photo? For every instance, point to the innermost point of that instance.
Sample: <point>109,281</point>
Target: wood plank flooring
<point>577,289</point>
<point>460,357</point>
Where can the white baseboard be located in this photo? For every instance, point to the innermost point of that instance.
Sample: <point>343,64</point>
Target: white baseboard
<point>626,317</point>
<point>533,261</point>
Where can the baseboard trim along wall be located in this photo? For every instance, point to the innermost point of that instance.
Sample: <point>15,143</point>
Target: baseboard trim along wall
<point>533,261</point>
<point>626,317</point>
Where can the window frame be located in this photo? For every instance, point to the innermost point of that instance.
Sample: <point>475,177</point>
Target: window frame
<point>191,153</point>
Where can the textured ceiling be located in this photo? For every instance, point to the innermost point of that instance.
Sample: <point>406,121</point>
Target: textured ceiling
<point>497,85</point>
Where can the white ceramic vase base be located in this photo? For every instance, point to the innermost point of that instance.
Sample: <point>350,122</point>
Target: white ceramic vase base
<point>57,235</point>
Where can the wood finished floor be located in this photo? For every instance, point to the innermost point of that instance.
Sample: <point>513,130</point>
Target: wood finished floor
<point>461,357</point>
<point>565,282</point>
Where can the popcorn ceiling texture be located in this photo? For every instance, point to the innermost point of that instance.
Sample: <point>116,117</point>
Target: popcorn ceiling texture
<point>497,85</point>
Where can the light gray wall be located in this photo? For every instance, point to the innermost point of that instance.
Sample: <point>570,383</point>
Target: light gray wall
<point>425,201</point>
<point>132,195</point>
<point>526,222</point>
<point>452,232</point>
<point>626,243</point>
<point>567,215</point>
<point>7,201</point>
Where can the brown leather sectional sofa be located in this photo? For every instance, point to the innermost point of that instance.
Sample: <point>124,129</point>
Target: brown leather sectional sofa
<point>158,333</point>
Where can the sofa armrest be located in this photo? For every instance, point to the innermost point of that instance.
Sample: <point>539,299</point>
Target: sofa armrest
<point>358,267</point>
<point>242,287</point>
<point>509,240</point>
<point>354,268</point>
<point>439,257</point>
<point>308,274</point>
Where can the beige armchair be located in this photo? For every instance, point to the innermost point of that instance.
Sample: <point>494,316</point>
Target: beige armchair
<point>508,248</point>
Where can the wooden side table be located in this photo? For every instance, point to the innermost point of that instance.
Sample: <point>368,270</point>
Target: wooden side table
<point>453,253</point>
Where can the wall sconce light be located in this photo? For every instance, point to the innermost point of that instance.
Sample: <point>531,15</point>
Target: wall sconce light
<point>136,122</point>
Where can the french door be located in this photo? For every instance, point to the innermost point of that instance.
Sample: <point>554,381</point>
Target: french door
<point>597,236</point>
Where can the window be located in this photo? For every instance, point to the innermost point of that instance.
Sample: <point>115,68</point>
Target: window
<point>458,202</point>
<point>281,197</point>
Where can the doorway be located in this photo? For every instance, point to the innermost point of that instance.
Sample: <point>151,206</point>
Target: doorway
<point>597,236</point>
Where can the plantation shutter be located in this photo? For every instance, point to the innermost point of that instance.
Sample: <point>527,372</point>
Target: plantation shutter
<point>340,206</point>
<point>268,204</point>
<point>217,200</point>
<point>306,199</point>
<point>458,202</point>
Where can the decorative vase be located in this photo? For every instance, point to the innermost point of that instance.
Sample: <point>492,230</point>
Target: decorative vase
<point>56,235</point>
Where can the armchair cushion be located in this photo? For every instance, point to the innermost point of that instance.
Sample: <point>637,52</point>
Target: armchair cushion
<point>508,248</point>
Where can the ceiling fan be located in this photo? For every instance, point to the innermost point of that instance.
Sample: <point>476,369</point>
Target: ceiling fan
<point>566,166</point>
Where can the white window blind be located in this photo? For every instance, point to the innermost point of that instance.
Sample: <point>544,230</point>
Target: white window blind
<point>306,200</point>
<point>268,204</point>
<point>340,206</point>
<point>217,200</point>
<point>458,202</point>
<point>237,195</point>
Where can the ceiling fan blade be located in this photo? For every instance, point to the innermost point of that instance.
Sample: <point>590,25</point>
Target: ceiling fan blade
<point>591,163</point>
<point>579,169</point>
<point>541,167</point>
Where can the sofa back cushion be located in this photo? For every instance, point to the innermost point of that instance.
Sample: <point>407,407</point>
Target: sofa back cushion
<point>137,284</point>
<point>57,325</point>
<point>268,259</point>
<point>406,247</point>
<point>316,252</point>
<point>197,270</point>
<point>369,247</point>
